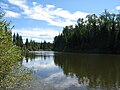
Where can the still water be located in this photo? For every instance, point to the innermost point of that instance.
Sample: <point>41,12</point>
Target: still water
<point>73,71</point>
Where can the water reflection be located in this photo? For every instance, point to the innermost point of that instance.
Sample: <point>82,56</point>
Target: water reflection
<point>32,55</point>
<point>75,71</point>
<point>101,71</point>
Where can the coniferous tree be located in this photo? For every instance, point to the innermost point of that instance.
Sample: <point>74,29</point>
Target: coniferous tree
<point>26,43</point>
<point>17,40</point>
<point>93,34</point>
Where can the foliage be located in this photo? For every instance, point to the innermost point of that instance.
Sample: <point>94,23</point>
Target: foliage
<point>31,45</point>
<point>12,75</point>
<point>35,46</point>
<point>92,34</point>
<point>17,40</point>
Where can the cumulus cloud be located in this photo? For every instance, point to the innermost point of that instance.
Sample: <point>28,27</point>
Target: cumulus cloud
<point>118,7</point>
<point>54,16</point>
<point>20,3</point>
<point>37,34</point>
<point>12,14</point>
<point>49,13</point>
<point>3,5</point>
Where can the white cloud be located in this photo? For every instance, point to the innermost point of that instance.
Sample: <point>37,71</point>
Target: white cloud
<point>34,3</point>
<point>3,5</point>
<point>49,13</point>
<point>20,3</point>
<point>54,16</point>
<point>37,34</point>
<point>118,7</point>
<point>11,14</point>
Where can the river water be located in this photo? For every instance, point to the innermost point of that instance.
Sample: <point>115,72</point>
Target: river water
<point>73,71</point>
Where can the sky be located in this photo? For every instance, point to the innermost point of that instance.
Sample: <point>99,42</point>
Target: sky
<point>41,20</point>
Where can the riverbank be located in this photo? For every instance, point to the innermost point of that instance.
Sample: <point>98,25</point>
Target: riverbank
<point>90,51</point>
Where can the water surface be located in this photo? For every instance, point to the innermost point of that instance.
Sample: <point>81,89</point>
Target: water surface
<point>73,71</point>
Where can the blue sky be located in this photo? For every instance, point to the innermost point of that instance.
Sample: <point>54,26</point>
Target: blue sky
<point>43,19</point>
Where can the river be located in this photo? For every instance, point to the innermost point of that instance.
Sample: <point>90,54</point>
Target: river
<point>73,71</point>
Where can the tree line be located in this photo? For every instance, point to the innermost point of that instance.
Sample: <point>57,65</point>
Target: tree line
<point>31,45</point>
<point>34,46</point>
<point>92,34</point>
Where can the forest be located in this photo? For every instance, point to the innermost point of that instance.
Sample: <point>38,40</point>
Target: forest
<point>95,33</point>
<point>31,45</point>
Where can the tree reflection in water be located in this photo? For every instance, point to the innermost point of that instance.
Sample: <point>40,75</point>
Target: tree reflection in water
<point>102,71</point>
<point>36,54</point>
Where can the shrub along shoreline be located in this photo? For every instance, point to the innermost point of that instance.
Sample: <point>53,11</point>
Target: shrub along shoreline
<point>12,75</point>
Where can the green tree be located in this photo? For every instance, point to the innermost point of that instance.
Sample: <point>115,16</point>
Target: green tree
<point>21,41</point>
<point>26,43</point>
<point>12,76</point>
<point>17,40</point>
<point>14,39</point>
<point>93,34</point>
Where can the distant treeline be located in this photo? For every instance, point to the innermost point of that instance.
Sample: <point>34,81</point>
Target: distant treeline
<point>31,45</point>
<point>92,34</point>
